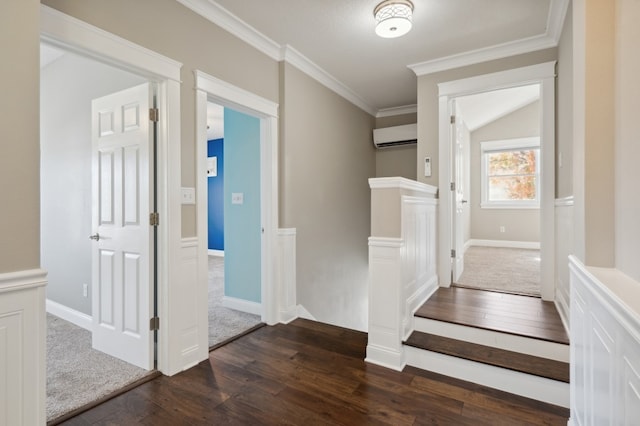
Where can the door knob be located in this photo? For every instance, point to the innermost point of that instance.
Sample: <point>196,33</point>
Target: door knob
<point>96,237</point>
<point>463,201</point>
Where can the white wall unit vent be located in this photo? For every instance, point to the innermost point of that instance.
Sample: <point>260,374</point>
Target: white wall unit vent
<point>395,136</point>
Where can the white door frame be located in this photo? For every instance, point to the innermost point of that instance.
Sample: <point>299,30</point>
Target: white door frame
<point>69,33</point>
<point>209,88</point>
<point>543,74</point>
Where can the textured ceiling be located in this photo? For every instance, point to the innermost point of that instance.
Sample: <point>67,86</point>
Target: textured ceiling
<point>338,36</point>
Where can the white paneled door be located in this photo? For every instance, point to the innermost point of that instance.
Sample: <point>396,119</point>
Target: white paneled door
<point>122,291</point>
<point>458,195</point>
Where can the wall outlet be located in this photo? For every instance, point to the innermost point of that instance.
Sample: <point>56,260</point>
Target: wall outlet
<point>85,290</point>
<point>503,229</point>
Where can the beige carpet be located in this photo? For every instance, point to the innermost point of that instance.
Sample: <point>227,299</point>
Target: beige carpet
<point>224,322</point>
<point>508,270</point>
<point>77,374</point>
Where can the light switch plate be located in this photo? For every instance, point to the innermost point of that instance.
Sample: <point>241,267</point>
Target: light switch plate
<point>188,195</point>
<point>237,198</point>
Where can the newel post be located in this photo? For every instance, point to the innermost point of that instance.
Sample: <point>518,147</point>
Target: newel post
<point>401,251</point>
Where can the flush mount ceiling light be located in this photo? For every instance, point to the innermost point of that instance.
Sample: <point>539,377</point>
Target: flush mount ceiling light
<point>393,18</point>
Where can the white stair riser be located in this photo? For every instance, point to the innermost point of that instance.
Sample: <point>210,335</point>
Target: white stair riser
<point>495,339</point>
<point>527,385</point>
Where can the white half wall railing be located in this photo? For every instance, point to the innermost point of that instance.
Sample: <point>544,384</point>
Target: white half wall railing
<point>402,263</point>
<point>605,346</point>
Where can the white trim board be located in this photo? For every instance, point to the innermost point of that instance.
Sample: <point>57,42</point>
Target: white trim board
<point>503,243</point>
<point>527,385</point>
<point>216,253</point>
<point>209,88</point>
<point>242,305</point>
<point>73,34</point>
<point>555,21</point>
<point>68,314</point>
<point>544,75</point>
<point>223,18</point>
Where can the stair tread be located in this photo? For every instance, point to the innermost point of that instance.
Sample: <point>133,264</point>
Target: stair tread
<point>530,364</point>
<point>507,313</point>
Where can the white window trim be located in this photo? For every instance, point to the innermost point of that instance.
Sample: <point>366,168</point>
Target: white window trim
<point>502,145</point>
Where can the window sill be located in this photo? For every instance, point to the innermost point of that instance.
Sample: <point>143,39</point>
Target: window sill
<point>509,206</point>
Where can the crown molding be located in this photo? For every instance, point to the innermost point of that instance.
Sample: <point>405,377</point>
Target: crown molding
<point>304,64</point>
<point>220,16</point>
<point>223,18</point>
<point>226,20</point>
<point>399,110</point>
<point>555,21</point>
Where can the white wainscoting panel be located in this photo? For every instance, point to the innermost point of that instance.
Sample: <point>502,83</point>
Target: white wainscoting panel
<point>605,346</point>
<point>193,335</point>
<point>286,275</point>
<point>384,345</point>
<point>564,247</point>
<point>22,348</point>
<point>419,279</point>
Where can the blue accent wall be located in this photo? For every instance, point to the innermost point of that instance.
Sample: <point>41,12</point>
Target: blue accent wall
<point>215,148</point>
<point>242,225</point>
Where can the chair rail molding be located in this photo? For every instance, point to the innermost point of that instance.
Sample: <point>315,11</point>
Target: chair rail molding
<point>605,346</point>
<point>23,347</point>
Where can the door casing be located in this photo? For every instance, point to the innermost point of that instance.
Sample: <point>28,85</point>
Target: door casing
<point>212,89</point>
<point>544,75</point>
<point>66,32</point>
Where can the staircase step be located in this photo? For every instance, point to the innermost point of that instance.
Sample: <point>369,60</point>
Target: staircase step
<point>537,366</point>
<point>493,338</point>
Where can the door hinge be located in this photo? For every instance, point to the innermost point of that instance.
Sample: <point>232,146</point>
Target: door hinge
<point>153,114</point>
<point>453,186</point>
<point>154,324</point>
<point>453,119</point>
<point>453,254</point>
<point>154,219</point>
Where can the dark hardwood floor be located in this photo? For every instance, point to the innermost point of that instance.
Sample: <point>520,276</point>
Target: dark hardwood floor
<point>308,373</point>
<point>509,313</point>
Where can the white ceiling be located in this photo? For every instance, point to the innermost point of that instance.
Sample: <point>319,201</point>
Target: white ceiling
<point>337,38</point>
<point>480,109</point>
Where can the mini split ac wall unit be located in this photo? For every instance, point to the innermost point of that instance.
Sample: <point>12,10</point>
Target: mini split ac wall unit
<point>395,136</point>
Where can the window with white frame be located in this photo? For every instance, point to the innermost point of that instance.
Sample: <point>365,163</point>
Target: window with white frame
<point>510,173</point>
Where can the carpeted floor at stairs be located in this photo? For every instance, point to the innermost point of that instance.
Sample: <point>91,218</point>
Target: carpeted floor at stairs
<point>510,270</point>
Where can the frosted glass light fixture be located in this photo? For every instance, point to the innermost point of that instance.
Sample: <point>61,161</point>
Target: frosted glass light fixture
<point>393,18</point>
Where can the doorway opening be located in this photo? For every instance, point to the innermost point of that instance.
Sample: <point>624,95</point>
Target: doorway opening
<point>544,76</point>
<point>77,373</point>
<point>497,174</point>
<point>233,224</point>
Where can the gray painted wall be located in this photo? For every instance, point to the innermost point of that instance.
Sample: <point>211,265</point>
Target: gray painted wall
<point>326,160</point>
<point>520,224</point>
<point>398,161</point>
<point>67,87</point>
<point>19,144</point>
<point>184,36</point>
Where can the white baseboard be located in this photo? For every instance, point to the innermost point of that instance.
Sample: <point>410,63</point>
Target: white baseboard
<point>75,317</point>
<point>385,357</point>
<point>303,313</point>
<point>242,305</point>
<point>219,253</point>
<point>504,243</point>
<point>527,385</point>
